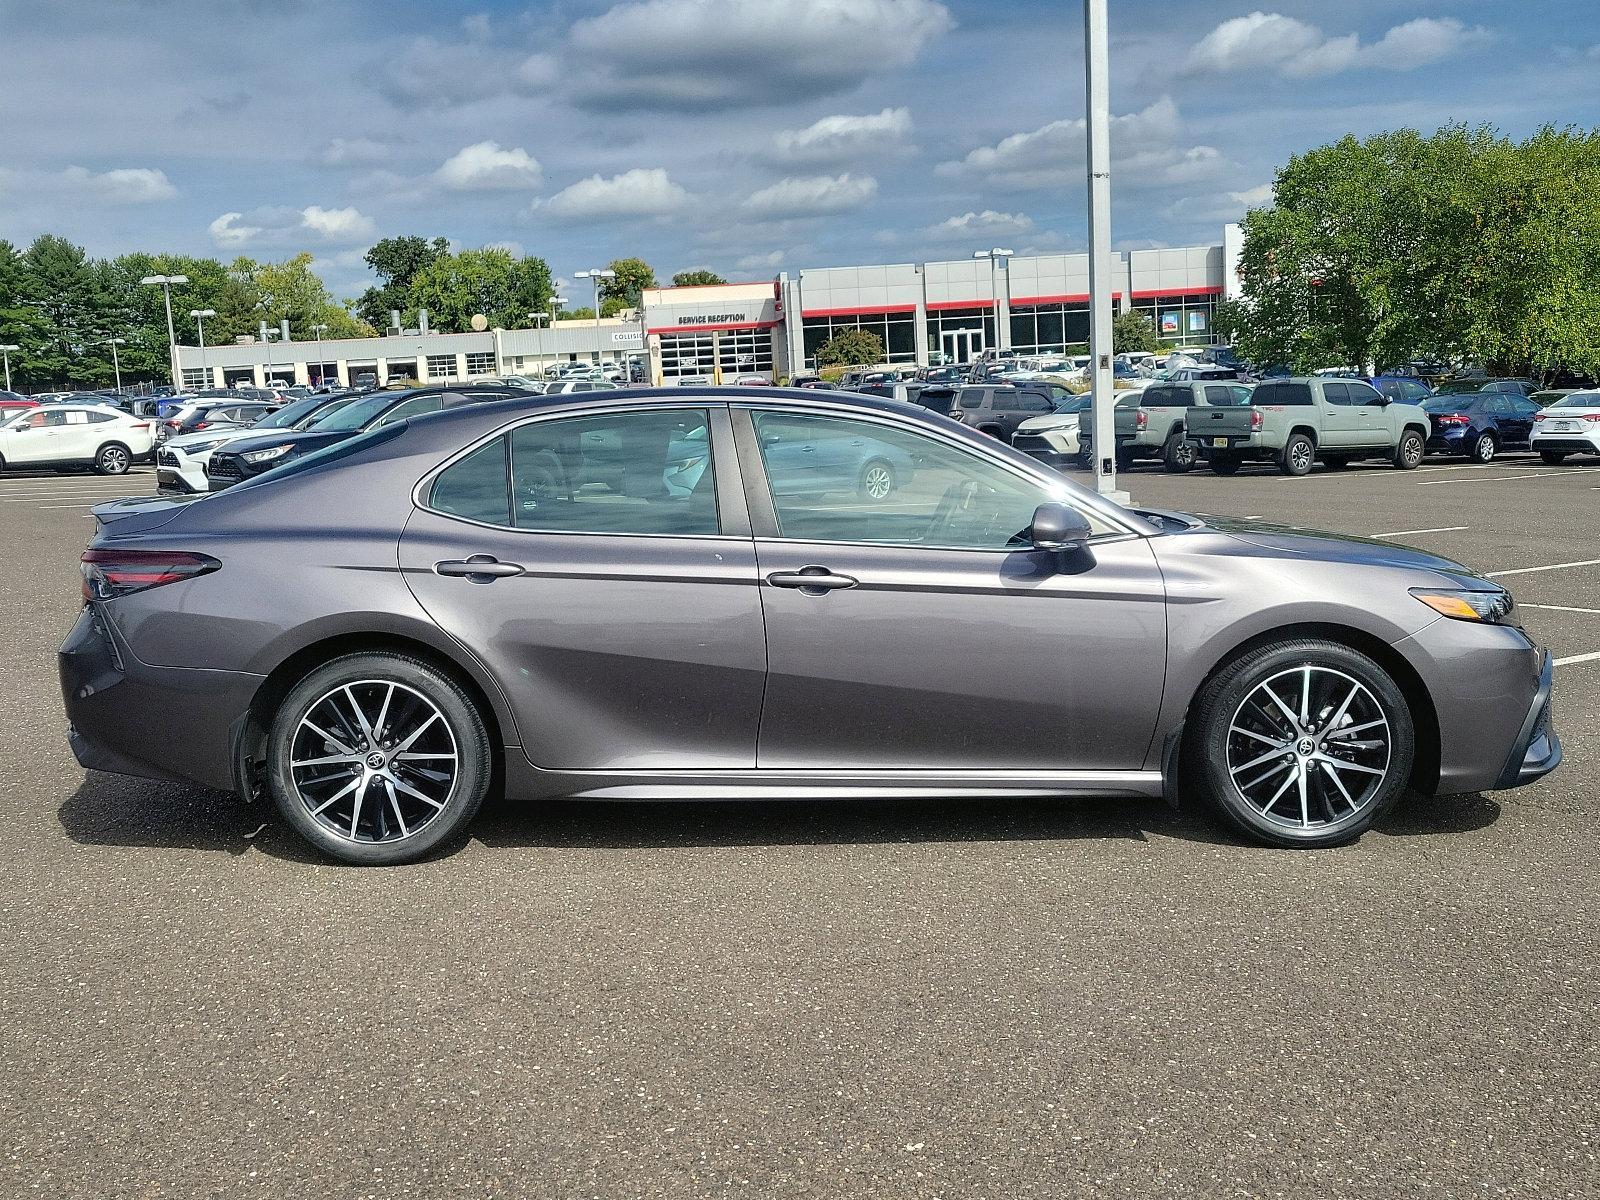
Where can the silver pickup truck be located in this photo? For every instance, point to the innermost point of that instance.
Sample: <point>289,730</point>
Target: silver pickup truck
<point>1150,424</point>
<point>1294,422</point>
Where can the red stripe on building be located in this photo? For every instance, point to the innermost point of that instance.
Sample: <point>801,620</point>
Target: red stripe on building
<point>709,328</point>
<point>858,312</point>
<point>1017,301</point>
<point>1190,291</point>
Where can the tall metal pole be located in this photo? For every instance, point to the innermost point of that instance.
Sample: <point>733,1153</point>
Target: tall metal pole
<point>116,365</point>
<point>200,315</point>
<point>1097,94</point>
<point>5,352</point>
<point>166,282</point>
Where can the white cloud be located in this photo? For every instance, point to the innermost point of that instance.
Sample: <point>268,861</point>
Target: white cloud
<point>812,196</point>
<point>1145,147</point>
<point>1218,208</point>
<point>985,225</point>
<point>761,262</point>
<point>291,227</point>
<point>641,192</point>
<point>515,249</point>
<point>841,139</point>
<point>354,152</point>
<point>1298,49</point>
<point>484,167</point>
<point>125,185</point>
<point>706,54</point>
<point>435,75</point>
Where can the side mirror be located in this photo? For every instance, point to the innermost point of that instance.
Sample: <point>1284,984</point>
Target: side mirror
<point>1058,527</point>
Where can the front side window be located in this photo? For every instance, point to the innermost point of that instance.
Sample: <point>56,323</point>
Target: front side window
<point>836,479</point>
<point>626,472</point>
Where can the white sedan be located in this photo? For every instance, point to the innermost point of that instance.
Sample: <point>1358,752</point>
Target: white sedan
<point>1569,426</point>
<point>67,436</point>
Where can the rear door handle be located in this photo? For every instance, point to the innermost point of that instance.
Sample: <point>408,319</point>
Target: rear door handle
<point>479,568</point>
<point>814,581</point>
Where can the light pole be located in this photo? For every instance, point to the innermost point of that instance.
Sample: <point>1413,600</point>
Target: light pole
<point>5,353</point>
<point>995,255</point>
<point>200,315</point>
<point>319,330</point>
<point>1097,95</point>
<point>268,334</point>
<point>166,283</point>
<point>116,365</point>
<point>597,275</point>
<point>538,319</point>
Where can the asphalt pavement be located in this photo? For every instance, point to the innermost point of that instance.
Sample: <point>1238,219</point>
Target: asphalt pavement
<point>931,999</point>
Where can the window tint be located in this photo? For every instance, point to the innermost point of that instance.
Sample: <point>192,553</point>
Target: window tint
<point>1336,393</point>
<point>1033,402</point>
<point>478,487</point>
<point>1168,397</point>
<point>1220,395</point>
<point>1006,400</point>
<point>414,407</point>
<point>1294,394</point>
<point>971,397</point>
<point>96,418</point>
<point>839,480</point>
<point>625,472</point>
<point>1363,393</point>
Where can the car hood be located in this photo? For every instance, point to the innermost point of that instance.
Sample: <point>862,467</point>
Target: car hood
<point>1052,421</point>
<point>1318,544</point>
<point>301,441</point>
<point>184,440</point>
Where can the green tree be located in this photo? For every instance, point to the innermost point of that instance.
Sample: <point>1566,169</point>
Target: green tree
<point>454,287</point>
<point>397,262</point>
<point>697,278</point>
<point>853,347</point>
<point>633,276</point>
<point>1132,331</point>
<point>576,314</point>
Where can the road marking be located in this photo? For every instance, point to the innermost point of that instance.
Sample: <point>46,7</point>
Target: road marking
<point>1583,562</point>
<point>89,504</point>
<point>1409,532</point>
<point>1558,608</point>
<point>1578,658</point>
<point>1493,478</point>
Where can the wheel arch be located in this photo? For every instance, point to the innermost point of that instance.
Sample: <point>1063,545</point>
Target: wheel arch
<point>1424,715</point>
<point>1309,431</point>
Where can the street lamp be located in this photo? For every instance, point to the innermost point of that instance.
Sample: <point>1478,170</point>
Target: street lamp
<point>997,254</point>
<point>5,352</point>
<point>539,319</point>
<point>319,330</point>
<point>1097,110</point>
<point>597,275</point>
<point>200,315</point>
<point>116,365</point>
<point>166,283</point>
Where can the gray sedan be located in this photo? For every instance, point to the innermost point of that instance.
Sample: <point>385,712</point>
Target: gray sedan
<point>659,594</point>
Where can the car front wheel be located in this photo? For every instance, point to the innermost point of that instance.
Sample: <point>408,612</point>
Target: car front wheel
<point>1408,454</point>
<point>876,481</point>
<point>1301,743</point>
<point>378,758</point>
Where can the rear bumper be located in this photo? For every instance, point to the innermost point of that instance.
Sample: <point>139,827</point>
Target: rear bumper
<point>1569,443</point>
<point>125,716</point>
<point>1451,443</point>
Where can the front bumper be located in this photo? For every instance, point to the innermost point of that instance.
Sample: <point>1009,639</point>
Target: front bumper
<point>130,718</point>
<point>1537,751</point>
<point>178,474</point>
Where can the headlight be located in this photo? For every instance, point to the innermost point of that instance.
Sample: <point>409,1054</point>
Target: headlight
<point>260,456</point>
<point>1492,607</point>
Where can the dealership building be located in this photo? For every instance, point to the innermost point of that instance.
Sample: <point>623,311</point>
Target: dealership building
<point>945,311</point>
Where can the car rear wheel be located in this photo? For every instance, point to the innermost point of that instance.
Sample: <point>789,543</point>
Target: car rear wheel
<point>113,460</point>
<point>1299,455</point>
<point>1483,450</point>
<point>1408,454</point>
<point>378,758</point>
<point>1179,454</point>
<point>876,481</point>
<point>1302,743</point>
<point>1553,457</point>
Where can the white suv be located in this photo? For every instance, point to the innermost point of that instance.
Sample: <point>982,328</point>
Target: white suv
<point>74,435</point>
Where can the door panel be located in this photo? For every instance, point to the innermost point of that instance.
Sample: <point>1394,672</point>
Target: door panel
<point>962,659</point>
<point>1341,422</point>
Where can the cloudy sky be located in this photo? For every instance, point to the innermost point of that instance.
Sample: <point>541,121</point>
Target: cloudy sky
<point>748,136</point>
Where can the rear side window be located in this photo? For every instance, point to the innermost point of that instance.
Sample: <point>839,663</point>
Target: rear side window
<point>1221,395</point>
<point>971,397</point>
<point>1292,394</point>
<point>478,487</point>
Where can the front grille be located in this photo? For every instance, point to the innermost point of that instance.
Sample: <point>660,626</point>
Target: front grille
<point>222,468</point>
<point>1032,443</point>
<point>166,458</point>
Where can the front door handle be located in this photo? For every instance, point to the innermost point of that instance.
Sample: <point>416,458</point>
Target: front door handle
<point>813,581</point>
<point>479,568</point>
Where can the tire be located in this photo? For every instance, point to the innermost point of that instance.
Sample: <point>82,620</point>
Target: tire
<point>424,708</point>
<point>112,459</point>
<point>1224,464</point>
<point>1179,454</point>
<point>1408,454</point>
<point>1242,777</point>
<point>1299,455</point>
<point>1553,458</point>
<point>1484,449</point>
<point>877,480</point>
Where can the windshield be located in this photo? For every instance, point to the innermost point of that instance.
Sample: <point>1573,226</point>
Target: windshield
<point>356,416</point>
<point>286,416</point>
<point>1579,400</point>
<point>1074,404</point>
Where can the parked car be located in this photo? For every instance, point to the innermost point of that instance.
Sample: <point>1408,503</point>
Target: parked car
<point>252,456</point>
<point>997,409</point>
<point>1056,438</point>
<point>1569,426</point>
<point>206,414</point>
<point>1521,387</point>
<point>1478,425</point>
<point>72,436</point>
<point>1293,422</point>
<point>948,375</point>
<point>1199,375</point>
<point>1152,423</point>
<point>181,460</point>
<point>1402,389</point>
<point>935,397</point>
<point>562,387</point>
<point>390,629</point>
<point>12,403</point>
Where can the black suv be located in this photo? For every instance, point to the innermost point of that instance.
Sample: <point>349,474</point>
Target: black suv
<point>997,408</point>
<point>252,456</point>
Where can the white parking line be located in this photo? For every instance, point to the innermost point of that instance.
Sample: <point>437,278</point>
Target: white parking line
<point>87,505</point>
<point>1493,478</point>
<point>1558,607</point>
<point>1582,562</point>
<point>61,496</point>
<point>1578,658</point>
<point>1410,532</point>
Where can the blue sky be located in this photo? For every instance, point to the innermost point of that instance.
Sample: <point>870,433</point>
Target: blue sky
<point>749,136</point>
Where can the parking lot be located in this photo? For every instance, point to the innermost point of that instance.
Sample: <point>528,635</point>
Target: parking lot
<point>930,999</point>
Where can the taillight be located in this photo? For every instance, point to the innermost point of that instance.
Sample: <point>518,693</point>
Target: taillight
<point>1256,419</point>
<point>1141,419</point>
<point>108,574</point>
<point>202,425</point>
<point>1540,415</point>
<point>1452,421</point>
